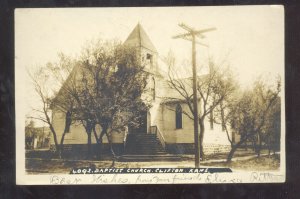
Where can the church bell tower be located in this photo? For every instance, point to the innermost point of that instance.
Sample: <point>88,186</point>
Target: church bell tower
<point>148,53</point>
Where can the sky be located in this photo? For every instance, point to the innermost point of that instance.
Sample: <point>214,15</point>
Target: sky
<point>251,38</point>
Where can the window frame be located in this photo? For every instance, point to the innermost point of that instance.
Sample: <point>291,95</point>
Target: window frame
<point>178,117</point>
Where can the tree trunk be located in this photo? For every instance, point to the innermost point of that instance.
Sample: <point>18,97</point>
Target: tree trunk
<point>88,129</point>
<point>97,141</point>
<point>233,149</point>
<point>89,142</point>
<point>233,137</point>
<point>202,130</point>
<point>259,148</point>
<point>228,137</point>
<point>259,145</point>
<point>269,146</point>
<point>95,135</point>
<point>68,121</point>
<point>55,141</point>
<point>100,141</point>
<point>59,146</point>
<point>62,144</point>
<point>111,149</point>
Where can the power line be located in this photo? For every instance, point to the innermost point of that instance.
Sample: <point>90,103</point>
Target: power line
<point>191,36</point>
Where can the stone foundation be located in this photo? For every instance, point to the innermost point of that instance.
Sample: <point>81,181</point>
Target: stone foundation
<point>188,148</point>
<point>179,148</point>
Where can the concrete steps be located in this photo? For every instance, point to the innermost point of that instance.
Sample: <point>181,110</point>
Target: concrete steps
<point>143,144</point>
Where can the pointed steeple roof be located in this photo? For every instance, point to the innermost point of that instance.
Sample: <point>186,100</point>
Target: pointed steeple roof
<point>138,37</point>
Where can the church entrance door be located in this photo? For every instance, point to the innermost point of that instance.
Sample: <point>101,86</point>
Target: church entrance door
<point>144,122</point>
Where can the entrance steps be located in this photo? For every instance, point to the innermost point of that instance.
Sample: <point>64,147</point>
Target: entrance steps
<point>143,144</point>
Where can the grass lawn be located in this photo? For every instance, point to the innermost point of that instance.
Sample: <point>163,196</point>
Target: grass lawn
<point>261,163</point>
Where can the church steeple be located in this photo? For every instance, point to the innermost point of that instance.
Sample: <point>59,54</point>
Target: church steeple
<point>139,38</point>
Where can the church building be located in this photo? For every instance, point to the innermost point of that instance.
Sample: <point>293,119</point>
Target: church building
<point>165,129</point>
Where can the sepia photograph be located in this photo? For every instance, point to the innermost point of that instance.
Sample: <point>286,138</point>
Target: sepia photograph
<point>150,95</point>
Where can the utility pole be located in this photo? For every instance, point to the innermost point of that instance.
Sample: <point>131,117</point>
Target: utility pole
<point>191,36</point>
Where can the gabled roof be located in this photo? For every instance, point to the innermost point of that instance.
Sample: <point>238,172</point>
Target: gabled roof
<point>138,37</point>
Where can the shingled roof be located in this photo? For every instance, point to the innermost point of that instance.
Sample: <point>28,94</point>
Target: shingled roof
<point>138,37</point>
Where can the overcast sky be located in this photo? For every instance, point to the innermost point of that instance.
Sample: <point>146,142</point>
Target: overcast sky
<point>252,36</point>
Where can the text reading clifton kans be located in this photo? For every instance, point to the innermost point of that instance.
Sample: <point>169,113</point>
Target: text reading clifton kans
<point>88,170</point>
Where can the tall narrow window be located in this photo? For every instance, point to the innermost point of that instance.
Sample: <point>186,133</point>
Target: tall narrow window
<point>178,117</point>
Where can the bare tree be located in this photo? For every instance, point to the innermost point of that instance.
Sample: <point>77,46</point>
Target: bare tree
<point>251,113</point>
<point>29,134</point>
<point>271,132</point>
<point>213,89</point>
<point>46,81</point>
<point>223,116</point>
<point>110,82</point>
<point>265,94</point>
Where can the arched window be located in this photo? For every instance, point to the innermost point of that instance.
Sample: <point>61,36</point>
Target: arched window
<point>178,117</point>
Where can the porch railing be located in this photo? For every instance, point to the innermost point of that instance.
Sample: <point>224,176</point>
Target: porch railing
<point>155,130</point>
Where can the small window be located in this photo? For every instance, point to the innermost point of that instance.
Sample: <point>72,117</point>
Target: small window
<point>149,56</point>
<point>178,117</point>
<point>149,59</point>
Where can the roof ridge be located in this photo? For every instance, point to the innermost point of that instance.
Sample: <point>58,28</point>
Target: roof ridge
<point>139,37</point>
